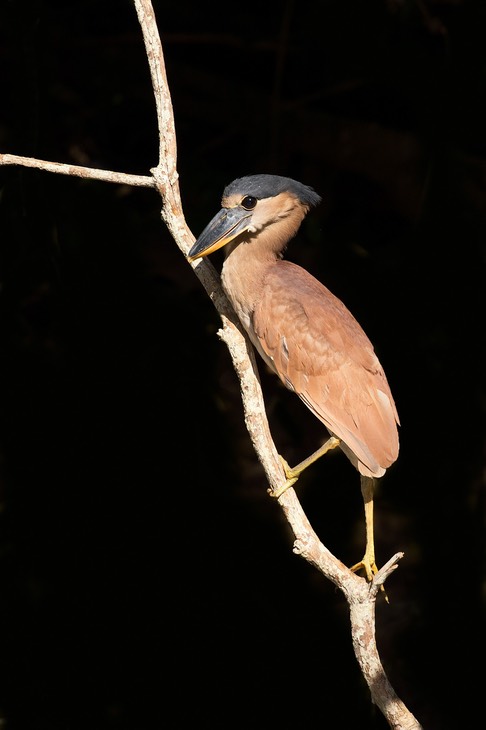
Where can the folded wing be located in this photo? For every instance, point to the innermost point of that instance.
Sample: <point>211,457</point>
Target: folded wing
<point>318,349</point>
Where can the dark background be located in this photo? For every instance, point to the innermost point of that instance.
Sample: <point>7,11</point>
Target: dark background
<point>147,578</point>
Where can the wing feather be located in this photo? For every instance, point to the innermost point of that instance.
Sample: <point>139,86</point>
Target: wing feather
<point>318,349</point>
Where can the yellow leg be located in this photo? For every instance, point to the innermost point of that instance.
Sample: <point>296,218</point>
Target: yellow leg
<point>367,563</point>
<point>293,473</point>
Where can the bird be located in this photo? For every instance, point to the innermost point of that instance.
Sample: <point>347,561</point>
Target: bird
<point>303,332</point>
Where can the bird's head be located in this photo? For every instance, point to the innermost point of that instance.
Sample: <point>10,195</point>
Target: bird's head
<point>252,203</point>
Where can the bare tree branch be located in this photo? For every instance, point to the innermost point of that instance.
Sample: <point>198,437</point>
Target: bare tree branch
<point>90,173</point>
<point>360,595</point>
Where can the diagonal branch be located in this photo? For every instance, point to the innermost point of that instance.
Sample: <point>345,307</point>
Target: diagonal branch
<point>359,594</point>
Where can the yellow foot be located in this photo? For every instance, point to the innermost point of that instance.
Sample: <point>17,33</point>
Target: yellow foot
<point>291,479</point>
<point>370,568</point>
<point>293,474</point>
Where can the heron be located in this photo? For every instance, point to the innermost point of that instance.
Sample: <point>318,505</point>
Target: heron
<point>303,332</point>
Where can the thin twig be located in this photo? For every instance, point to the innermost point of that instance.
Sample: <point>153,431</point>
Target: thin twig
<point>90,173</point>
<point>384,572</point>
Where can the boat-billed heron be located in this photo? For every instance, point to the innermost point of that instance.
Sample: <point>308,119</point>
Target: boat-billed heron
<point>302,331</point>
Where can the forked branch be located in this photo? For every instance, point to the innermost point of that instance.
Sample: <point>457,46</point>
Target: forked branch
<point>359,594</point>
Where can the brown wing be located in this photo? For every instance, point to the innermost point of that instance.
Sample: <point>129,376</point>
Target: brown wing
<point>319,350</point>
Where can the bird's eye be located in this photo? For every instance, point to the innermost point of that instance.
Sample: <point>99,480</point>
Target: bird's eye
<point>249,202</point>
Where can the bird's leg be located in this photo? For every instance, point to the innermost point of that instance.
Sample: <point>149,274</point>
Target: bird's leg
<point>293,473</point>
<point>368,563</point>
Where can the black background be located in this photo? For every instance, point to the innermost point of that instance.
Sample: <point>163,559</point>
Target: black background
<point>147,579</point>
